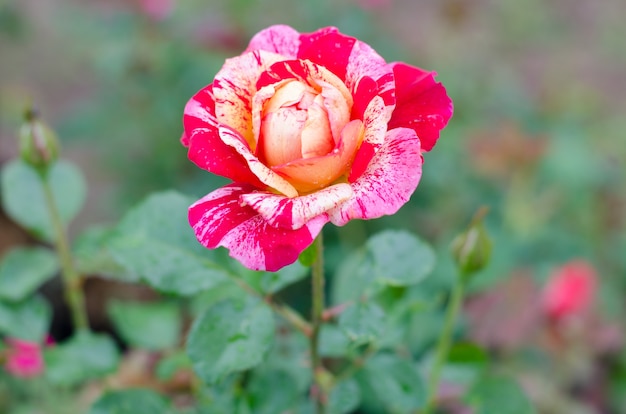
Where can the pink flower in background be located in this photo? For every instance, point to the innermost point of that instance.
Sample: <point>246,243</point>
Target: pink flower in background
<point>570,290</point>
<point>24,359</point>
<point>311,128</point>
<point>157,9</point>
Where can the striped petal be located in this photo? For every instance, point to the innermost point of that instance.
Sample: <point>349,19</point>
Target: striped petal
<point>422,104</point>
<point>219,219</point>
<point>387,183</point>
<point>233,89</point>
<point>293,213</point>
<point>206,147</point>
<point>280,39</point>
<point>375,134</point>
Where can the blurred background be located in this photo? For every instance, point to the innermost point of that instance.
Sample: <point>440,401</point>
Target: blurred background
<point>538,136</point>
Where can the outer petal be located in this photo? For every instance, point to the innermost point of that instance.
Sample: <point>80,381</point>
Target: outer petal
<point>422,104</point>
<point>293,213</point>
<point>206,148</point>
<point>208,151</point>
<point>327,47</point>
<point>388,182</point>
<point>368,75</point>
<point>281,39</point>
<point>219,219</point>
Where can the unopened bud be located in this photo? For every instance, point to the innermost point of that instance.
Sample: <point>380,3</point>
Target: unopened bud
<point>472,248</point>
<point>39,146</point>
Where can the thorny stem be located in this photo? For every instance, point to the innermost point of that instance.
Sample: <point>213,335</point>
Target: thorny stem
<point>443,345</point>
<point>72,280</point>
<point>317,285</point>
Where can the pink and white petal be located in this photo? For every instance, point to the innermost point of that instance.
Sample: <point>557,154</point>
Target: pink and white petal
<point>234,87</point>
<point>388,182</point>
<point>219,219</point>
<point>208,151</point>
<point>422,104</point>
<point>365,63</point>
<point>265,175</point>
<point>375,125</point>
<point>329,48</point>
<point>306,72</point>
<point>200,111</point>
<point>312,174</point>
<point>293,213</point>
<point>281,39</point>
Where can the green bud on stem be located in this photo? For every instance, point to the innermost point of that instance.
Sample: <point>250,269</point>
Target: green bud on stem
<point>39,146</point>
<point>472,248</point>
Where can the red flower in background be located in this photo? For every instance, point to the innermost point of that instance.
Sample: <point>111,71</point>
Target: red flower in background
<point>24,359</point>
<point>311,128</point>
<point>570,290</point>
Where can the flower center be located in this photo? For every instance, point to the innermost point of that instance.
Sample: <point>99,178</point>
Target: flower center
<point>295,125</point>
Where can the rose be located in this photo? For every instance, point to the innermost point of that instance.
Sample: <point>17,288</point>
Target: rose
<point>570,290</point>
<point>311,128</point>
<point>24,359</point>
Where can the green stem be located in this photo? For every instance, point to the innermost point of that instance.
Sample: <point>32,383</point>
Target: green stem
<point>443,345</point>
<point>317,285</point>
<point>72,280</point>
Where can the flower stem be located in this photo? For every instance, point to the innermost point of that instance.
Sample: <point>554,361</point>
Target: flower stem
<point>317,285</point>
<point>72,280</point>
<point>443,345</point>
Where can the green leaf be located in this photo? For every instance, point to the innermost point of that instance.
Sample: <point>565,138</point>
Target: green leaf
<point>93,258</point>
<point>224,397</point>
<point>362,322</point>
<point>272,391</point>
<point>333,342</point>
<point>344,397</point>
<point>154,325</point>
<point>391,384</point>
<point>353,278</point>
<point>399,258</point>
<point>465,363</point>
<point>231,336</point>
<point>85,356</point>
<point>154,241</point>
<point>169,365</point>
<point>28,319</point>
<point>228,289</point>
<point>272,282</point>
<point>498,395</point>
<point>130,401</point>
<point>23,196</point>
<point>23,270</point>
<point>288,355</point>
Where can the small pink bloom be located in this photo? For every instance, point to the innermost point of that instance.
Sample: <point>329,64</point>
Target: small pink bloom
<point>570,290</point>
<point>24,359</point>
<point>311,128</point>
<point>157,10</point>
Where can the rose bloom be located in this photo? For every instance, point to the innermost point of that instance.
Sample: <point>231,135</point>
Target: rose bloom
<point>24,359</point>
<point>311,128</point>
<point>570,290</point>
